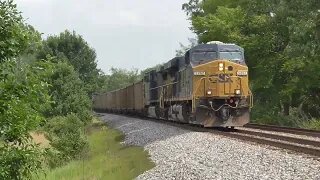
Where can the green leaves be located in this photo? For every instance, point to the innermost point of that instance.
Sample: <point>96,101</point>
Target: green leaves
<point>72,48</point>
<point>14,35</point>
<point>282,44</point>
<point>20,161</point>
<point>222,26</point>
<point>22,93</point>
<point>67,92</point>
<point>22,96</point>
<point>33,93</point>
<point>120,78</point>
<point>66,135</point>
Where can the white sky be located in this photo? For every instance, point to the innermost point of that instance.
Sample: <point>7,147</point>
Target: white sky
<point>124,33</point>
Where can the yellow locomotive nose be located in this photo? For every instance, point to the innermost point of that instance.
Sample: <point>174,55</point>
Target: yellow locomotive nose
<point>221,79</point>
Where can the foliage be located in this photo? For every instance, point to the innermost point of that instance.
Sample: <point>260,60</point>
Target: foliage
<point>282,41</point>
<point>312,124</point>
<point>184,48</point>
<point>120,78</point>
<point>107,159</point>
<point>66,135</point>
<point>15,37</point>
<point>67,92</point>
<point>73,48</point>
<point>20,161</point>
<point>156,67</point>
<point>33,91</point>
<point>23,96</point>
<point>271,117</point>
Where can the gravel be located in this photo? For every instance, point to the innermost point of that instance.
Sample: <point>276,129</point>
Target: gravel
<point>183,154</point>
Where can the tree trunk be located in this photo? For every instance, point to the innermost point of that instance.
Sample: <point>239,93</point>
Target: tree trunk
<point>286,109</point>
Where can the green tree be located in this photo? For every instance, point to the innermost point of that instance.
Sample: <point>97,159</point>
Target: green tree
<point>23,97</point>
<point>67,92</point>
<point>15,36</point>
<point>184,48</point>
<point>120,78</point>
<point>281,39</point>
<point>73,48</point>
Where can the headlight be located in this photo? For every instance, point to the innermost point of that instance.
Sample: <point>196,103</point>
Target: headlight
<point>238,92</point>
<point>221,66</point>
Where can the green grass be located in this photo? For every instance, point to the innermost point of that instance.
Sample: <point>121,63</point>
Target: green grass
<point>311,124</point>
<point>107,159</point>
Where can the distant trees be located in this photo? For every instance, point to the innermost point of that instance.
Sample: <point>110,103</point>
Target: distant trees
<point>281,39</point>
<point>184,48</point>
<point>119,78</point>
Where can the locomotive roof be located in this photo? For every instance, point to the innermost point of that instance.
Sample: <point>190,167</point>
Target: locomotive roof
<point>215,47</point>
<point>221,47</point>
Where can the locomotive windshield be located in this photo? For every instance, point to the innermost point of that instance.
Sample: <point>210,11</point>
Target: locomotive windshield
<point>203,56</point>
<point>206,56</point>
<point>231,55</point>
<point>204,53</point>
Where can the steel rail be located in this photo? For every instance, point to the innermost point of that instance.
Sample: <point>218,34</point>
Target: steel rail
<point>303,146</point>
<point>259,138</point>
<point>298,131</point>
<point>280,144</point>
<point>281,137</point>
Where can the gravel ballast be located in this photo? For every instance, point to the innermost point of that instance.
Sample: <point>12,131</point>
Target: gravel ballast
<point>182,154</point>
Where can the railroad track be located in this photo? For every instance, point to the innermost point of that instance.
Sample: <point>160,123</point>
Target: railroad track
<point>297,131</point>
<point>294,139</point>
<point>286,139</point>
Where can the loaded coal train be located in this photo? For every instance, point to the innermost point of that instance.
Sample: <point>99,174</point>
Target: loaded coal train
<point>208,86</point>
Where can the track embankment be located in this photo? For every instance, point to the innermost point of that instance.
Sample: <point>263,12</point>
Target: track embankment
<point>183,152</point>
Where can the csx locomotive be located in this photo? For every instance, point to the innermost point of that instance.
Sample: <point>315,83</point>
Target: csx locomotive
<point>208,86</point>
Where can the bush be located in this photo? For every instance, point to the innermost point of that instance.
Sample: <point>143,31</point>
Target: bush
<point>20,161</point>
<point>22,98</point>
<point>67,92</point>
<point>271,115</point>
<point>66,135</point>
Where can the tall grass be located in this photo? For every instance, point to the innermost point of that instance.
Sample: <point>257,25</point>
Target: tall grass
<point>312,124</point>
<point>107,159</point>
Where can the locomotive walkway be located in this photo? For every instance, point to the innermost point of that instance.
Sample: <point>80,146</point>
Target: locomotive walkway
<point>184,152</point>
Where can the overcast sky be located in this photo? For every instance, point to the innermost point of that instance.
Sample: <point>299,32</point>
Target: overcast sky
<point>124,33</point>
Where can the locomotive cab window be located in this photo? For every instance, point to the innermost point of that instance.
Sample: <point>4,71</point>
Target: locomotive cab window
<point>203,56</point>
<point>236,56</point>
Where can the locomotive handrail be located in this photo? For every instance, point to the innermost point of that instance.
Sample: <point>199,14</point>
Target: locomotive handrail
<point>196,90</point>
<point>163,86</point>
<point>161,102</point>
<point>251,98</point>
